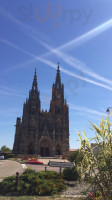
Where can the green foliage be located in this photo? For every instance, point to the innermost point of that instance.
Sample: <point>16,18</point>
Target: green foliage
<point>5,149</point>
<point>99,165</point>
<point>9,156</point>
<point>7,185</point>
<point>71,174</point>
<point>33,183</point>
<point>76,157</point>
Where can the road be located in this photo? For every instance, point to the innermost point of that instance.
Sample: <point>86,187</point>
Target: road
<point>9,168</point>
<point>48,168</point>
<point>39,168</point>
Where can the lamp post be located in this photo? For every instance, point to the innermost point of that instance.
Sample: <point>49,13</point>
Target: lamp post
<point>108,112</point>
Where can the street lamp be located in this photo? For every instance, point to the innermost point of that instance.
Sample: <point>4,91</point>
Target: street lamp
<point>108,110</point>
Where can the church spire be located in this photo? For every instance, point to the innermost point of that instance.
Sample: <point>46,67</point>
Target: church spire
<point>58,78</point>
<point>34,84</point>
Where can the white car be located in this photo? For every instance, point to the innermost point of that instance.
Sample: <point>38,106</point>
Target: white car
<point>1,157</point>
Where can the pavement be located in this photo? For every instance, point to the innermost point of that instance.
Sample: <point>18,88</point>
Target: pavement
<point>9,168</point>
<point>45,166</point>
<point>46,160</point>
<point>39,168</point>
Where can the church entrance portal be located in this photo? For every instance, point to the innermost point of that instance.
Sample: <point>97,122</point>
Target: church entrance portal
<point>45,147</point>
<point>44,151</point>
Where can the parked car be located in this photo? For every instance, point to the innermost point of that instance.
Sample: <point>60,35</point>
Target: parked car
<point>34,161</point>
<point>1,157</point>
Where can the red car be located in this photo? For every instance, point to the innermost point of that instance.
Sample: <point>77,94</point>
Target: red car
<point>34,161</point>
<point>25,158</point>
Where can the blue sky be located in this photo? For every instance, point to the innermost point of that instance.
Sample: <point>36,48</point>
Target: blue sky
<point>38,34</point>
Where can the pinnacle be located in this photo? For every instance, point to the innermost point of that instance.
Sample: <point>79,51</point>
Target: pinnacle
<point>58,78</point>
<point>34,84</point>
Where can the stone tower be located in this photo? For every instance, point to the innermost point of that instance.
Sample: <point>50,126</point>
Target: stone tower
<point>41,132</point>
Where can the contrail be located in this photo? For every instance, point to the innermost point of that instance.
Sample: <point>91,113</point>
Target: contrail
<point>2,92</point>
<point>8,89</point>
<point>29,30</point>
<point>83,38</point>
<point>77,41</point>
<point>75,64</point>
<point>51,64</point>
<point>89,35</point>
<point>85,109</point>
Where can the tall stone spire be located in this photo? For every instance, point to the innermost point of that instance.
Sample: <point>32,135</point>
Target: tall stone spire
<point>34,90</point>
<point>58,78</point>
<point>34,84</point>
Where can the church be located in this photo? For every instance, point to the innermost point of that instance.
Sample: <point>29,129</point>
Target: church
<point>44,133</point>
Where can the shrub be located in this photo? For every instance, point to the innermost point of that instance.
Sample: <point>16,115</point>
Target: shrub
<point>9,156</point>
<point>76,157</point>
<point>71,174</point>
<point>49,175</point>
<point>8,185</point>
<point>33,183</point>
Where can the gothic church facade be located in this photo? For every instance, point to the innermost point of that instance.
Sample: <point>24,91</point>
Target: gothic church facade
<point>44,133</point>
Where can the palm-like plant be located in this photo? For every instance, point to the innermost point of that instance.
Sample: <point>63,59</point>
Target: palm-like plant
<point>99,164</point>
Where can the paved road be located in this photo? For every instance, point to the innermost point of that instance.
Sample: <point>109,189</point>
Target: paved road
<point>46,160</point>
<point>39,168</point>
<point>9,168</point>
<point>48,168</point>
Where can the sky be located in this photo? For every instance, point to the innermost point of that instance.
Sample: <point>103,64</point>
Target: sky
<point>39,34</point>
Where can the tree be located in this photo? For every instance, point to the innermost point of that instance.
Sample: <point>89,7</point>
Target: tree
<point>5,149</point>
<point>99,165</point>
